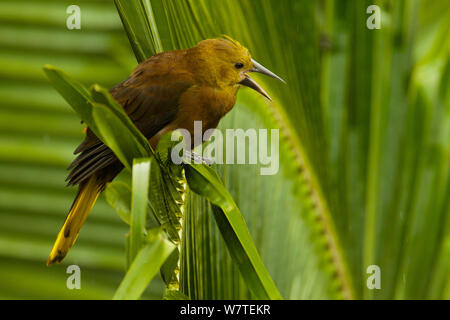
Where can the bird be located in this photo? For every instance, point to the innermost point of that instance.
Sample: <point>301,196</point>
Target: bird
<point>168,91</point>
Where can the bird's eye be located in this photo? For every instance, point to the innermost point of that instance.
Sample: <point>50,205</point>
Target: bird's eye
<point>239,65</point>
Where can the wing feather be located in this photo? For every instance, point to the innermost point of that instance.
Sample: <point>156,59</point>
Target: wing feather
<point>150,97</point>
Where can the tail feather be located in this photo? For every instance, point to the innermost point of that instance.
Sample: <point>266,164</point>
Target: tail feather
<point>87,195</point>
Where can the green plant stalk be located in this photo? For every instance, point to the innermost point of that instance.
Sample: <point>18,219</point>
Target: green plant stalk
<point>140,186</point>
<point>381,60</point>
<point>204,181</point>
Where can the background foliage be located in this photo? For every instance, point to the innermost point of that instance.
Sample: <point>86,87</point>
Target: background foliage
<point>365,146</point>
<point>38,133</point>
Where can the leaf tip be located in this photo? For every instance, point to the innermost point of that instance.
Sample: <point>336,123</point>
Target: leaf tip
<point>49,67</point>
<point>96,87</point>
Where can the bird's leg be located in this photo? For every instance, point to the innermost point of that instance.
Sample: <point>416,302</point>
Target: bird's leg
<point>191,156</point>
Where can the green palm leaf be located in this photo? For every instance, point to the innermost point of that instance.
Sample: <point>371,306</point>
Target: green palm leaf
<point>364,148</point>
<point>361,119</point>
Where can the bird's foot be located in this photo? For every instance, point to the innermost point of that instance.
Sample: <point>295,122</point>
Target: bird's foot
<point>192,157</point>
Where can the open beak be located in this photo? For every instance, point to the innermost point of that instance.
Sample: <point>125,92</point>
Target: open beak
<point>249,82</point>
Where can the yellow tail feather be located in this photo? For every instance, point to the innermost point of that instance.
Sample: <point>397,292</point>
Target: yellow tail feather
<point>85,200</point>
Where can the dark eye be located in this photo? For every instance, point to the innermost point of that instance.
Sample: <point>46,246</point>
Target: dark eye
<point>239,65</point>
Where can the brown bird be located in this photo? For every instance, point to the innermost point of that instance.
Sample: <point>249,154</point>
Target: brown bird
<point>166,92</point>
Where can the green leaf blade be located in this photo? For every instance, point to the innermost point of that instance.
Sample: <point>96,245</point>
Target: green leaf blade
<point>204,181</point>
<point>73,92</point>
<point>139,204</point>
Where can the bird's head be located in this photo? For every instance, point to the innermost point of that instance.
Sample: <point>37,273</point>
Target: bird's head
<point>227,64</point>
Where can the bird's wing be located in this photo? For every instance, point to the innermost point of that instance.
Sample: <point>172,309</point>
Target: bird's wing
<point>150,98</point>
<point>151,106</point>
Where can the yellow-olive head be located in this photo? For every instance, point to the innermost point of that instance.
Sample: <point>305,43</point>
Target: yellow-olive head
<point>224,62</point>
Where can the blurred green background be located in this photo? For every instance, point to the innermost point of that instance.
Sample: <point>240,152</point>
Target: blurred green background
<point>38,133</point>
